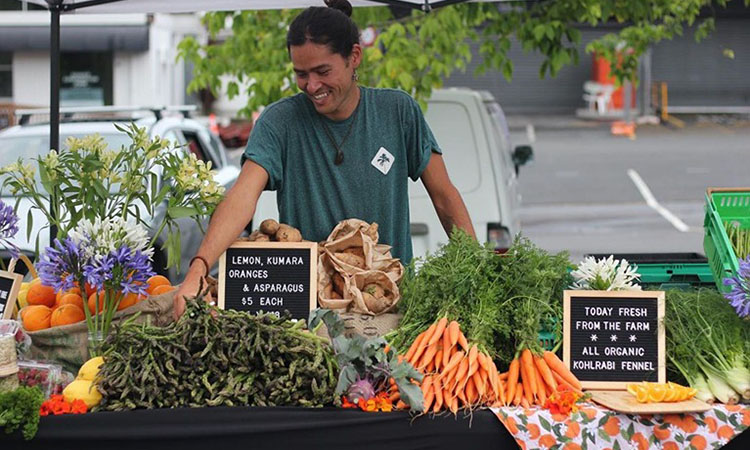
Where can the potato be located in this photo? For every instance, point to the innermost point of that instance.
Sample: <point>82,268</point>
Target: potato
<point>338,283</point>
<point>254,235</point>
<point>269,227</point>
<point>262,237</point>
<point>352,260</point>
<point>287,233</point>
<point>375,305</point>
<point>375,290</point>
<point>335,295</point>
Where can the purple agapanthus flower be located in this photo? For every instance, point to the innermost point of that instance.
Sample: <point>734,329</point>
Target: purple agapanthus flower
<point>8,228</point>
<point>61,265</point>
<point>123,269</point>
<point>739,296</point>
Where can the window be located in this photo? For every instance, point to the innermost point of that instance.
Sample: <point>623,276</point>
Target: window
<point>6,75</point>
<point>15,5</point>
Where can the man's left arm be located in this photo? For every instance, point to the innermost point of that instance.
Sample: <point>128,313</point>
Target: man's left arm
<point>445,197</point>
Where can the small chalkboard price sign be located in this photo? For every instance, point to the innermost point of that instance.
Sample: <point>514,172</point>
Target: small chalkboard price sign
<point>271,277</point>
<point>614,338</point>
<point>10,284</point>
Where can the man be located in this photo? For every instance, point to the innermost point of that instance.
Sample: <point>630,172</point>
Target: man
<point>335,151</point>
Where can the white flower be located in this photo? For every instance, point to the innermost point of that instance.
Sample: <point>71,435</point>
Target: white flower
<point>606,274</point>
<point>101,237</point>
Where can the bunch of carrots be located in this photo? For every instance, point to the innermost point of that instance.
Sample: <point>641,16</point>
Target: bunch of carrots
<point>531,378</point>
<point>457,374</point>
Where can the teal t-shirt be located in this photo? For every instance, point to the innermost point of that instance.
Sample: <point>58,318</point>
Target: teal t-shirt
<point>389,143</point>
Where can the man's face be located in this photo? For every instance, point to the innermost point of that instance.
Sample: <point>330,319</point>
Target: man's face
<point>326,78</point>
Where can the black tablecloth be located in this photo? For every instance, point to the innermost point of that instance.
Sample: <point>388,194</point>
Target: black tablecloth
<point>265,428</point>
<point>273,428</point>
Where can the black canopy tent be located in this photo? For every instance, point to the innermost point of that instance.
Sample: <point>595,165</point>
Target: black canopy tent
<point>58,7</point>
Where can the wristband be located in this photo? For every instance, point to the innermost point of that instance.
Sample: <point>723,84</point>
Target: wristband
<point>202,259</point>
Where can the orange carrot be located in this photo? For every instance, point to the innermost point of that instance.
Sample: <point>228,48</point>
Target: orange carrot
<point>541,398</point>
<point>394,397</point>
<point>519,395</point>
<point>525,402</point>
<point>528,361</point>
<point>513,378</point>
<point>429,356</point>
<point>473,356</point>
<point>545,372</point>
<point>446,348</point>
<point>439,359</point>
<point>387,348</point>
<point>430,367</point>
<point>454,405</point>
<point>558,366</point>
<point>561,381</point>
<point>453,330</point>
<point>401,405</point>
<point>528,383</point>
<point>440,328</point>
<point>501,396</point>
<point>462,341</point>
<point>463,368</point>
<point>471,392</point>
<point>484,361</point>
<point>503,376</point>
<point>478,380</point>
<point>439,400</point>
<point>414,346</point>
<point>454,361</point>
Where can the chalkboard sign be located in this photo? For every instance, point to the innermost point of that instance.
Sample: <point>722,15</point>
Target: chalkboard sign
<point>271,277</point>
<point>10,284</point>
<point>614,338</point>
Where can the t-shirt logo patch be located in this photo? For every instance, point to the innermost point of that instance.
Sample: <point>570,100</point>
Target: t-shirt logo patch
<point>383,160</point>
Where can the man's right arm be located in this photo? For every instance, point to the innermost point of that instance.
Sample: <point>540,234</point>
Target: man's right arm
<point>229,219</point>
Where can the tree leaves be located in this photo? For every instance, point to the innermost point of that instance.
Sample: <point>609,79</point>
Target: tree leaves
<point>417,52</point>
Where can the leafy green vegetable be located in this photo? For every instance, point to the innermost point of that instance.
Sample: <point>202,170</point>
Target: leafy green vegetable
<point>20,408</point>
<point>500,301</point>
<point>366,359</point>
<point>706,340</point>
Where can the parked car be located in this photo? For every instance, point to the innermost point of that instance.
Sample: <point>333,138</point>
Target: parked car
<point>472,131</point>
<point>30,139</point>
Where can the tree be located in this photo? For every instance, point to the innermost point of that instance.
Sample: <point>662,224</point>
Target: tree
<point>417,51</point>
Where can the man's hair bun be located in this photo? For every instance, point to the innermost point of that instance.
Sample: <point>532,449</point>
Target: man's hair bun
<point>342,5</point>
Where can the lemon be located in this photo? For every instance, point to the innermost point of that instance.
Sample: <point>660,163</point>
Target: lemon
<point>90,369</point>
<point>83,390</point>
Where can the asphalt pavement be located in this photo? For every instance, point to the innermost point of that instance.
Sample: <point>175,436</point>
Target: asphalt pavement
<point>588,191</point>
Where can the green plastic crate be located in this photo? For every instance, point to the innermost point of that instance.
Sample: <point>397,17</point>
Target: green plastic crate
<point>668,270</point>
<point>724,205</point>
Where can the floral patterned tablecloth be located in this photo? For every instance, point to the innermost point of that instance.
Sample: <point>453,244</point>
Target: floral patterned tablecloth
<point>595,427</point>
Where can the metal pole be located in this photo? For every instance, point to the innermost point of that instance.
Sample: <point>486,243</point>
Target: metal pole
<point>55,7</point>
<point>646,83</point>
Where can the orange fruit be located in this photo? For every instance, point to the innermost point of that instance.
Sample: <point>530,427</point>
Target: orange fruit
<point>89,289</point>
<point>156,281</point>
<point>657,392</point>
<point>71,299</point>
<point>128,301</point>
<point>67,314</point>
<point>163,289</point>
<point>60,294</point>
<point>92,302</point>
<point>40,294</point>
<point>36,317</point>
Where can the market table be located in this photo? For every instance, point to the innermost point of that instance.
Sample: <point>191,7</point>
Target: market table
<point>327,428</point>
<point>265,428</point>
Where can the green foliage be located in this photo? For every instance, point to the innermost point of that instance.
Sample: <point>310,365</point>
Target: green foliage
<point>91,181</point>
<point>501,302</point>
<point>20,409</point>
<point>416,53</point>
<point>360,358</point>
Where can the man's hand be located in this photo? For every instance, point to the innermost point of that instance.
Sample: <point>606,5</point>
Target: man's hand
<point>188,289</point>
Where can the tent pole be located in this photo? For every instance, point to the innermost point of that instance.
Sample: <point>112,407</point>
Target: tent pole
<point>55,7</point>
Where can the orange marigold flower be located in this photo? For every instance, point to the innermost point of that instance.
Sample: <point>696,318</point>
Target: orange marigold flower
<point>78,407</point>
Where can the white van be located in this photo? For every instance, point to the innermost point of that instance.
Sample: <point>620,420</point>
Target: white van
<point>471,129</point>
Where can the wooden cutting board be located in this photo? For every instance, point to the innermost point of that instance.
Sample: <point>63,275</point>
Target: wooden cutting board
<point>622,401</point>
